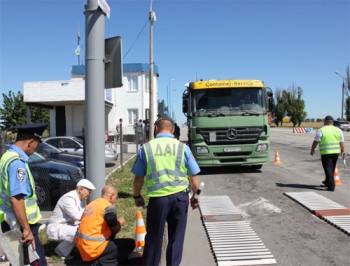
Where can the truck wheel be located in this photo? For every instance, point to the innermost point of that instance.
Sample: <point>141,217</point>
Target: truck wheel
<point>256,167</point>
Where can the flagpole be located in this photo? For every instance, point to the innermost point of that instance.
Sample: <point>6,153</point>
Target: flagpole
<point>78,45</point>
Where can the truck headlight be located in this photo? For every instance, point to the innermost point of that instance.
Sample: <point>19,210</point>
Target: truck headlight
<point>202,150</point>
<point>261,147</point>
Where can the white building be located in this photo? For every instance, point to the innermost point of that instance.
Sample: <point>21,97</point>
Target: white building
<point>66,100</point>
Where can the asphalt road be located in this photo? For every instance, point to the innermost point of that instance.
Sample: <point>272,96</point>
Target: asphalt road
<point>292,234</point>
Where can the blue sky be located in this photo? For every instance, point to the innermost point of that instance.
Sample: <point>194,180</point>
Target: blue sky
<point>300,42</point>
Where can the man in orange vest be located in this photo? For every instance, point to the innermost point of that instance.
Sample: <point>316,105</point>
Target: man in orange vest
<point>95,238</point>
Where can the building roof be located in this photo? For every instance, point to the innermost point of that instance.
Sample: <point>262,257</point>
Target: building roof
<point>127,68</point>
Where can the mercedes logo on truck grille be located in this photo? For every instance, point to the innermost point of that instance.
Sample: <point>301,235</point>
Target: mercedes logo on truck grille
<point>231,133</point>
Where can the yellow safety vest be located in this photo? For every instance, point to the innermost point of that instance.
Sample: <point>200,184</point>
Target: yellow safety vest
<point>31,206</point>
<point>166,172</point>
<point>329,143</point>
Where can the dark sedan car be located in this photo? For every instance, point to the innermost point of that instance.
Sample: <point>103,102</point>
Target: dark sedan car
<point>57,154</point>
<point>52,178</point>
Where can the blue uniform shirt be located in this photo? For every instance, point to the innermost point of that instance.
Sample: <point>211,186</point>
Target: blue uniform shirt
<point>140,166</point>
<point>18,176</point>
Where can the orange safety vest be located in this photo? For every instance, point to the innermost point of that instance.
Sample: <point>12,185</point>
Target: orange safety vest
<point>93,233</point>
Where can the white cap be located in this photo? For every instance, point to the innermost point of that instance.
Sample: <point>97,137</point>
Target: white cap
<point>86,183</point>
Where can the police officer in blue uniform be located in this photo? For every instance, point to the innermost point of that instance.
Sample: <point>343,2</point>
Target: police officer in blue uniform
<point>170,169</point>
<point>18,204</point>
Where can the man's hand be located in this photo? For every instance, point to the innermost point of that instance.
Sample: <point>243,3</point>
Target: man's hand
<point>27,237</point>
<point>121,221</point>
<point>139,202</point>
<point>195,203</point>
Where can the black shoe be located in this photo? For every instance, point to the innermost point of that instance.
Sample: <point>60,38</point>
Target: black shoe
<point>330,189</point>
<point>325,184</point>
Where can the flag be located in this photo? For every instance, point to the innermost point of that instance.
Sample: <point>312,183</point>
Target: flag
<point>77,51</point>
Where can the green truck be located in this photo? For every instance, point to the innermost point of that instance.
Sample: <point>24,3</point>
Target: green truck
<point>229,122</point>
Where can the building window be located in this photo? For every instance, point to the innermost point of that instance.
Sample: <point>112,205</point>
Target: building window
<point>132,115</point>
<point>146,82</point>
<point>132,83</point>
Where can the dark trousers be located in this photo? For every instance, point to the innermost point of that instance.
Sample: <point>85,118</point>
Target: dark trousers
<point>329,161</point>
<point>173,210</point>
<point>116,252</point>
<point>39,246</point>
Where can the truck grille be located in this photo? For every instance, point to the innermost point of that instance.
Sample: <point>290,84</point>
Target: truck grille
<point>244,135</point>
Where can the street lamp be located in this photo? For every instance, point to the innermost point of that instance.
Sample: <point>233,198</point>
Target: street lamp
<point>168,97</point>
<point>171,102</point>
<point>342,95</point>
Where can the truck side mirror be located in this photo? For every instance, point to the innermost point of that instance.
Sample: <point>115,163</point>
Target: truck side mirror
<point>185,102</point>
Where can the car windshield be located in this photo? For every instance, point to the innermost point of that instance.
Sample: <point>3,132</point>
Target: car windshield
<point>47,149</point>
<point>79,140</point>
<point>37,158</point>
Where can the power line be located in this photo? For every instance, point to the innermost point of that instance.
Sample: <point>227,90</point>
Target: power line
<point>135,39</point>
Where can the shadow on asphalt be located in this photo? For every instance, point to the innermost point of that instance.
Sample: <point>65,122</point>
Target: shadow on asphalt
<point>110,165</point>
<point>228,170</point>
<point>301,186</point>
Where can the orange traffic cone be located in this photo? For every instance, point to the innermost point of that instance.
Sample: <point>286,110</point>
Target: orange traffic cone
<point>336,177</point>
<point>277,157</point>
<point>140,232</point>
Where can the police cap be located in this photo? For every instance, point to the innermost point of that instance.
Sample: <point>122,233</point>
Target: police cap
<point>328,118</point>
<point>31,130</point>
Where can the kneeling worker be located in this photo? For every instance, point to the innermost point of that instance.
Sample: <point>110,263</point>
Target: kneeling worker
<point>65,219</point>
<point>99,225</point>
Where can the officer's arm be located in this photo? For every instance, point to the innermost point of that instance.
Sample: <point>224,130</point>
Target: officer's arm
<point>342,149</point>
<point>18,207</point>
<point>313,147</point>
<point>138,183</point>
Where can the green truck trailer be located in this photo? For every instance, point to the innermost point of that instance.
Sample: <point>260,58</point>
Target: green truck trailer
<point>228,122</point>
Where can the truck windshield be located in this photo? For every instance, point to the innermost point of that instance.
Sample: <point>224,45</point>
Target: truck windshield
<point>229,100</point>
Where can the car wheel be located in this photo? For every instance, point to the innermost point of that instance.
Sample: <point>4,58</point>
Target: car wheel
<point>40,194</point>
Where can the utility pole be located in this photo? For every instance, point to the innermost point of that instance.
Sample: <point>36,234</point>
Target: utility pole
<point>152,16</point>
<point>94,96</point>
<point>342,96</point>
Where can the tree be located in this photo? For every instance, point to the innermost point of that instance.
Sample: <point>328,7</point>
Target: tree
<point>279,108</point>
<point>295,105</point>
<point>161,107</point>
<point>13,111</point>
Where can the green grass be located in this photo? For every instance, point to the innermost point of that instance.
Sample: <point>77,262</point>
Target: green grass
<point>123,181</point>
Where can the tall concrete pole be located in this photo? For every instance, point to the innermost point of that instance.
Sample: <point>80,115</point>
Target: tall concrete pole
<point>94,96</point>
<point>151,83</point>
<point>342,96</point>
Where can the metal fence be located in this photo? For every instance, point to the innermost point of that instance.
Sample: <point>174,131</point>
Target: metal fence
<point>52,178</point>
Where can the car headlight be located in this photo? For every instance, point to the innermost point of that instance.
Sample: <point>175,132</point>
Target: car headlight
<point>202,150</point>
<point>81,173</point>
<point>261,147</point>
<point>109,152</point>
<point>60,176</point>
